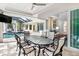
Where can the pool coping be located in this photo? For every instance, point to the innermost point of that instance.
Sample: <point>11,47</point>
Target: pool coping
<point>7,40</point>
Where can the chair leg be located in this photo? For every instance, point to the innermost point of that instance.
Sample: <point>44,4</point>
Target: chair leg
<point>46,54</point>
<point>58,54</point>
<point>24,53</point>
<point>17,47</point>
<point>34,51</point>
<point>43,52</point>
<point>19,52</point>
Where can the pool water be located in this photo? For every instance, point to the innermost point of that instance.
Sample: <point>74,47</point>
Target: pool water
<point>11,35</point>
<point>8,36</point>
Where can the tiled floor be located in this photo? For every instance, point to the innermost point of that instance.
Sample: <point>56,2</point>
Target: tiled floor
<point>9,49</point>
<point>70,52</point>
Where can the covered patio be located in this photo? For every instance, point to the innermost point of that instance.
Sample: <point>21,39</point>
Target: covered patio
<point>41,20</point>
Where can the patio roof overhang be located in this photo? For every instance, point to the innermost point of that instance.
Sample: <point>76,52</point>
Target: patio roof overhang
<point>20,19</point>
<point>5,18</point>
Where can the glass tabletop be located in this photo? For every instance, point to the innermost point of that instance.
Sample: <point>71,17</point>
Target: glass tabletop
<point>39,40</point>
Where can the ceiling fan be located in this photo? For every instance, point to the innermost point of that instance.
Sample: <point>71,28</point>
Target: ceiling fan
<point>37,4</point>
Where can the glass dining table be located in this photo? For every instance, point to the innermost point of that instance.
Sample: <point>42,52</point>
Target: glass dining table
<point>39,41</point>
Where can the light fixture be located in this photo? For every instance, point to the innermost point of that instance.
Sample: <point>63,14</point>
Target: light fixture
<point>57,28</point>
<point>37,4</point>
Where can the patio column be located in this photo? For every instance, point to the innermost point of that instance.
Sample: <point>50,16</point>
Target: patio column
<point>1,32</point>
<point>28,26</point>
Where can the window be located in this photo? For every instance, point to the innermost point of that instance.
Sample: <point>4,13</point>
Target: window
<point>33,27</point>
<point>54,23</point>
<point>74,28</point>
<point>41,26</point>
<point>51,23</point>
<point>26,26</point>
<point>65,26</point>
<point>30,27</point>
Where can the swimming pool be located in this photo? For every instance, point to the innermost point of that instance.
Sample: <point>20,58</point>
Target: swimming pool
<point>11,35</point>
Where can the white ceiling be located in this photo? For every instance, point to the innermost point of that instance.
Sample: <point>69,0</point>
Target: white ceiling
<point>58,8</point>
<point>42,12</point>
<point>22,7</point>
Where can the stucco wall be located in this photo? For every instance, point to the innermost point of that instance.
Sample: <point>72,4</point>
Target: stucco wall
<point>61,18</point>
<point>1,33</point>
<point>1,30</point>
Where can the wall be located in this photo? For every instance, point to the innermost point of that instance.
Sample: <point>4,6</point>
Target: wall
<point>61,18</point>
<point>57,8</point>
<point>1,30</point>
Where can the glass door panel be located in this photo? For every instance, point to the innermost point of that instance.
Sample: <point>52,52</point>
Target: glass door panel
<point>74,28</point>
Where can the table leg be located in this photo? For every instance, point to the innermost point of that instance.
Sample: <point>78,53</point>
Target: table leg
<point>43,52</point>
<point>39,51</point>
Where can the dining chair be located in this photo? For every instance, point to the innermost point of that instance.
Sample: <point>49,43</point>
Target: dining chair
<point>51,48</point>
<point>26,34</point>
<point>24,48</point>
<point>19,40</point>
<point>57,47</point>
<point>58,51</point>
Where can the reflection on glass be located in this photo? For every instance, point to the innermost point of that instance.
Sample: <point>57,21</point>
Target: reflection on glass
<point>74,28</point>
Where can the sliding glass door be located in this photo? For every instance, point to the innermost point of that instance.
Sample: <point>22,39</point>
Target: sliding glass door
<point>74,28</point>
